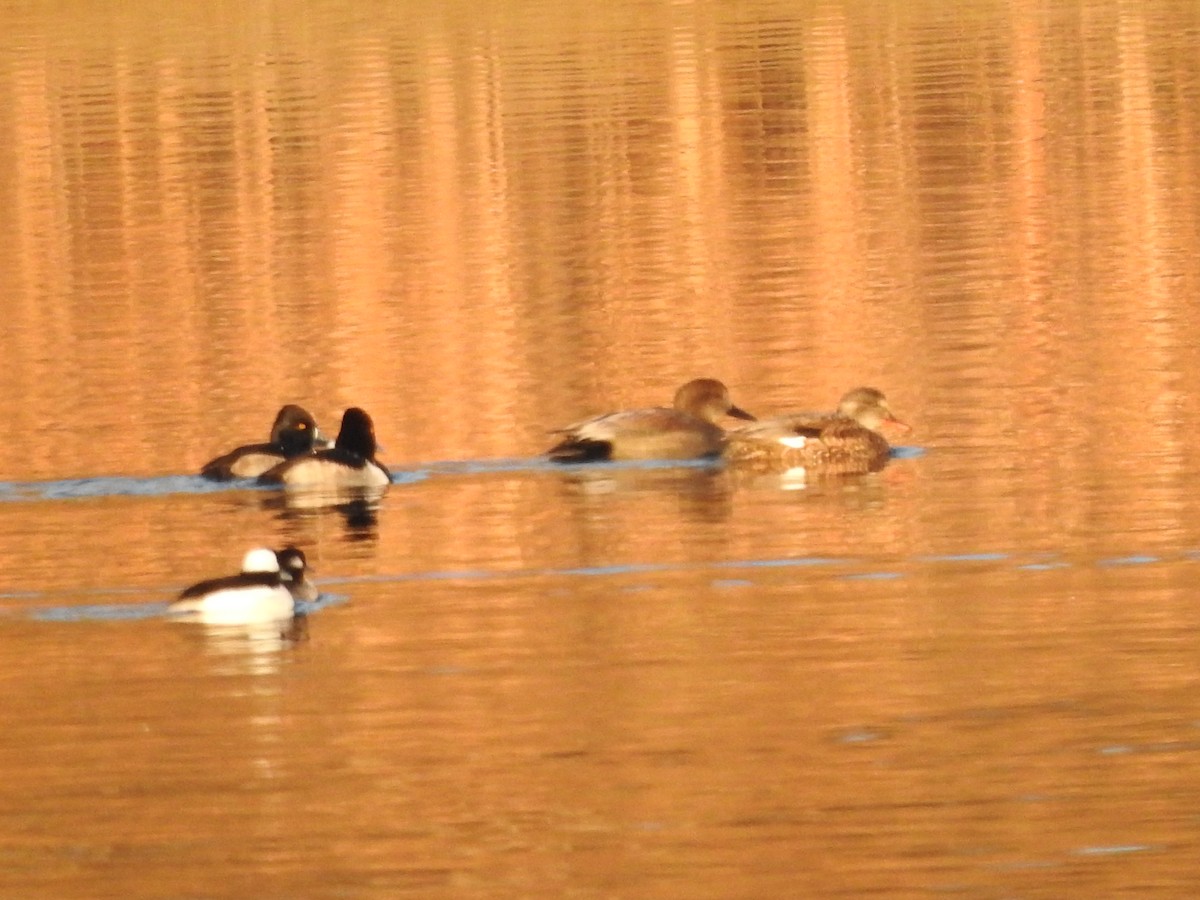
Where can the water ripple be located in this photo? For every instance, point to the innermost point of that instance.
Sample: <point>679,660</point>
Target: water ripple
<point>157,486</point>
<point>101,612</point>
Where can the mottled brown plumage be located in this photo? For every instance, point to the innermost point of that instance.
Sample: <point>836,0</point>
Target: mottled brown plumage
<point>686,430</point>
<point>845,442</point>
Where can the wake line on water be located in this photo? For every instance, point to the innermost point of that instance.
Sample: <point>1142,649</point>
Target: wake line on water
<point>31,604</point>
<point>108,612</point>
<point>166,485</point>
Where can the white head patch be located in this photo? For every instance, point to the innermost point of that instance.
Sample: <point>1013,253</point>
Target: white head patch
<point>260,559</point>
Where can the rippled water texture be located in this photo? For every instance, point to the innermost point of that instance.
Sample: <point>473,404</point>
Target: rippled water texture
<point>972,674</point>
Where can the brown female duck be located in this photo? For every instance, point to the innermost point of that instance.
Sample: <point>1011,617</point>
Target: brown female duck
<point>686,430</point>
<point>845,442</point>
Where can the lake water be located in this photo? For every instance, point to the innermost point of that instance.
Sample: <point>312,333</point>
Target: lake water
<point>975,673</point>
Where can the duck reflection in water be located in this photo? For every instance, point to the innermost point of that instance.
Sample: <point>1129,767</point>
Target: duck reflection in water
<point>348,478</point>
<point>253,614</point>
<point>248,649</point>
<point>359,510</point>
<point>699,493</point>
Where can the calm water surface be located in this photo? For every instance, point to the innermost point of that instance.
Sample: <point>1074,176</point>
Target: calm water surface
<point>975,673</point>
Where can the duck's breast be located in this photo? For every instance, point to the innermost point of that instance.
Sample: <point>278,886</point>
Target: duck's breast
<point>237,606</point>
<point>328,469</point>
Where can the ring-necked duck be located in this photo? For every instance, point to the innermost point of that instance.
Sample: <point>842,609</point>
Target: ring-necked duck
<point>686,430</point>
<point>293,434</point>
<point>845,442</point>
<point>256,594</point>
<point>350,463</point>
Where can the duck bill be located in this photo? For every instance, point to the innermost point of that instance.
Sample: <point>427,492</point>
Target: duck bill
<point>738,413</point>
<point>896,425</point>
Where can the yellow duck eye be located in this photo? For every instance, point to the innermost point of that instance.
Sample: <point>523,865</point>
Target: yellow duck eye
<point>302,425</point>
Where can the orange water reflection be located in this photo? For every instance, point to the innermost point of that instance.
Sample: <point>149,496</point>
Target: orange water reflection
<point>479,223</point>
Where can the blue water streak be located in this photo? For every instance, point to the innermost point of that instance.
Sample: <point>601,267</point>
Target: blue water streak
<point>113,486</point>
<point>1114,849</point>
<point>99,612</point>
<point>156,486</point>
<point>112,612</point>
<point>782,562</point>
<point>1133,560</point>
<point>964,557</point>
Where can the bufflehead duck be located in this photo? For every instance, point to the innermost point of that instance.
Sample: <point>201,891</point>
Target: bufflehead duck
<point>293,434</point>
<point>686,430</point>
<point>350,463</point>
<point>256,594</point>
<point>845,442</point>
<point>293,566</point>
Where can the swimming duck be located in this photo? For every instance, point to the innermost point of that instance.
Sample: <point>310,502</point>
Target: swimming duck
<point>845,442</point>
<point>256,594</point>
<point>293,434</point>
<point>350,463</point>
<point>685,430</point>
<point>293,570</point>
